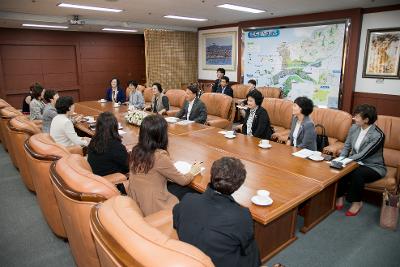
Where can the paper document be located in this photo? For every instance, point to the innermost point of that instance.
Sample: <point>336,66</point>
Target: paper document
<point>184,122</point>
<point>121,132</point>
<point>304,153</point>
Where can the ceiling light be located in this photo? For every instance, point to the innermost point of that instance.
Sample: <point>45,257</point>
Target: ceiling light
<point>90,7</point>
<point>241,8</point>
<point>184,18</point>
<point>45,26</point>
<point>118,30</point>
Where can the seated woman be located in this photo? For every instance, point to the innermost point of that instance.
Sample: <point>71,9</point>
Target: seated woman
<point>106,153</point>
<point>36,105</point>
<point>27,101</point>
<point>256,122</point>
<point>135,97</point>
<point>364,144</point>
<point>62,129</point>
<point>151,167</point>
<point>159,102</point>
<point>302,132</point>
<point>49,111</point>
<point>115,93</point>
<point>193,108</point>
<point>215,223</point>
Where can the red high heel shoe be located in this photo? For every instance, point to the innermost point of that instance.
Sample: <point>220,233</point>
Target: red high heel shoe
<point>339,207</point>
<point>351,214</point>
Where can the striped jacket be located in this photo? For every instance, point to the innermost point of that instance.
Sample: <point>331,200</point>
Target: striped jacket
<point>370,153</point>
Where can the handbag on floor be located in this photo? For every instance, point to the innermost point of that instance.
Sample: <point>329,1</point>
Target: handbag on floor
<point>390,210</point>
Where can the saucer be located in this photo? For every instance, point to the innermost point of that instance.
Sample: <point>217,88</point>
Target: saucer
<point>265,146</point>
<point>102,101</point>
<point>316,158</point>
<point>230,136</point>
<point>171,119</point>
<point>262,201</point>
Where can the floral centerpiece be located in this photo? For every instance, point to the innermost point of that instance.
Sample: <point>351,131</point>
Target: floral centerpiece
<point>135,117</point>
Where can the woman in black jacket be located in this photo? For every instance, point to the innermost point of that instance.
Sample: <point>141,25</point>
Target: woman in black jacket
<point>256,123</point>
<point>106,153</point>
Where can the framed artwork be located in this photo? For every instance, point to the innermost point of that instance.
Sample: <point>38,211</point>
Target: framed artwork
<point>218,50</point>
<point>382,54</point>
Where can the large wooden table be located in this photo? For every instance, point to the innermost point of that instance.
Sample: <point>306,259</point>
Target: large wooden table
<point>292,182</point>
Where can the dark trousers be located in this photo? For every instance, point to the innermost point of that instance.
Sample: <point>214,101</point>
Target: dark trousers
<point>178,190</point>
<point>353,183</point>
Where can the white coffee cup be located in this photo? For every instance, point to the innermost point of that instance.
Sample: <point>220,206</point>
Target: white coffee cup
<point>317,154</point>
<point>116,105</point>
<point>264,142</point>
<point>263,193</point>
<point>230,133</point>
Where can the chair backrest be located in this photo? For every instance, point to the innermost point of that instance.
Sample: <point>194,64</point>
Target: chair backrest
<point>270,92</point>
<point>147,94</point>
<point>217,104</point>
<point>21,128</point>
<point>279,111</point>
<point>240,90</point>
<point>3,103</point>
<point>124,238</point>
<point>41,151</point>
<point>7,113</point>
<point>77,189</point>
<point>391,127</point>
<point>176,97</point>
<point>336,122</point>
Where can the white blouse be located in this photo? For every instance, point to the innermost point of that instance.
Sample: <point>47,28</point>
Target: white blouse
<point>296,133</point>
<point>63,132</point>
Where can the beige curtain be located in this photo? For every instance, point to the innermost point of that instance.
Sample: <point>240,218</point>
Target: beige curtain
<point>171,58</point>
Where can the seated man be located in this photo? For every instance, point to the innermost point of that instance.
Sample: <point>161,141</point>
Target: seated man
<point>215,223</point>
<point>224,87</point>
<point>216,84</point>
<point>193,109</point>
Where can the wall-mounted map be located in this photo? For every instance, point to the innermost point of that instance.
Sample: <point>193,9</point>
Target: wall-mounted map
<point>302,61</point>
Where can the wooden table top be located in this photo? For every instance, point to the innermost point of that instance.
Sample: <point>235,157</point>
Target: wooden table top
<point>279,155</point>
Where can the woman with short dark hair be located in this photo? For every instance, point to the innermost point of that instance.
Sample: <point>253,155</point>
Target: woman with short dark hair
<point>106,153</point>
<point>135,96</point>
<point>151,167</point>
<point>256,122</point>
<point>215,223</point>
<point>36,105</point>
<point>159,102</point>
<point>364,144</point>
<point>115,92</point>
<point>302,131</point>
<point>62,129</point>
<point>49,111</point>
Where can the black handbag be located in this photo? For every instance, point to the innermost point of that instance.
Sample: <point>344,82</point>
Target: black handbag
<point>322,139</point>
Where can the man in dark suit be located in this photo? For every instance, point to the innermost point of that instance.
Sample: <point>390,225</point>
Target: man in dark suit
<point>215,223</point>
<point>224,87</point>
<point>220,74</point>
<point>193,109</point>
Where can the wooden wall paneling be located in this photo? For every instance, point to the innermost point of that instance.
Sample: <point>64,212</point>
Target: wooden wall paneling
<point>385,104</point>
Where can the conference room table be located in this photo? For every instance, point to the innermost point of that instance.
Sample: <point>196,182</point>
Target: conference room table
<point>271,169</point>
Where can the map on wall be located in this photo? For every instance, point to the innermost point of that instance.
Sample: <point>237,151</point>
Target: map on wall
<point>302,61</point>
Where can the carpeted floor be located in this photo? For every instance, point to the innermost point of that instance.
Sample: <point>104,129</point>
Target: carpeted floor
<point>26,240</point>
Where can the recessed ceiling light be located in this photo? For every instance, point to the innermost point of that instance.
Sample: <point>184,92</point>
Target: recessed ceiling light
<point>241,8</point>
<point>90,7</point>
<point>118,30</point>
<point>45,26</point>
<point>184,18</point>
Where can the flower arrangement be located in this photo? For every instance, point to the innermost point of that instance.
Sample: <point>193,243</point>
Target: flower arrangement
<point>135,117</point>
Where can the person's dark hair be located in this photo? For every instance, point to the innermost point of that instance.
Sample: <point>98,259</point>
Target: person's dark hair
<point>37,90</point>
<point>158,85</point>
<point>106,130</point>
<point>153,135</point>
<point>225,78</point>
<point>227,175</point>
<point>115,78</point>
<point>306,105</point>
<point>63,104</point>
<point>366,112</point>
<point>252,81</point>
<point>258,97</point>
<point>48,95</point>
<point>194,88</point>
<point>134,83</point>
<point>222,70</point>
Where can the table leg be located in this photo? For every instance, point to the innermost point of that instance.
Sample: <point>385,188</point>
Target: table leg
<point>319,207</point>
<point>276,235</point>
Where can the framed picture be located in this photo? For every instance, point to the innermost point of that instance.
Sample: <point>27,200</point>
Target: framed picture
<point>218,50</point>
<point>382,54</point>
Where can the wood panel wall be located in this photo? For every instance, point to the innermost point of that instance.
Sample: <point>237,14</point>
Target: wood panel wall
<point>79,64</point>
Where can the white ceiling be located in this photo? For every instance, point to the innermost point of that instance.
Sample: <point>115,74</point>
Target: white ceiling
<point>140,14</point>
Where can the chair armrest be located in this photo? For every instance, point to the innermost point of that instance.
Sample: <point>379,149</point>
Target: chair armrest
<point>115,178</point>
<point>75,150</point>
<point>219,123</point>
<point>333,149</point>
